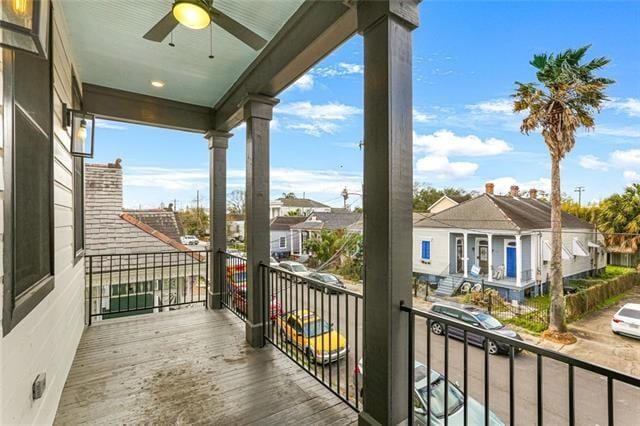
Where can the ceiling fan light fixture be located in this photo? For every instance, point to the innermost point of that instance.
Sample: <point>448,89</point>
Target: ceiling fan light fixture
<point>192,14</point>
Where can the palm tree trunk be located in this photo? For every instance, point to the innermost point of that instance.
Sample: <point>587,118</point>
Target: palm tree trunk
<point>556,314</point>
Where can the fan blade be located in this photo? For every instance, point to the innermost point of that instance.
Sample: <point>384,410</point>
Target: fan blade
<point>238,30</point>
<point>162,29</point>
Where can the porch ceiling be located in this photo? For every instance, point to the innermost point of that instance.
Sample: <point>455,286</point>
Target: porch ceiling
<point>107,43</point>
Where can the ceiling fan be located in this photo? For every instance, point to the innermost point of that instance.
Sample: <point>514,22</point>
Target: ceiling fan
<point>198,14</point>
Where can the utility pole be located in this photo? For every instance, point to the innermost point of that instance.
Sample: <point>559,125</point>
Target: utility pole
<point>579,190</point>
<point>345,195</point>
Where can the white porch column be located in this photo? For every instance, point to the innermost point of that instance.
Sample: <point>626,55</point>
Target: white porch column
<point>258,111</point>
<point>465,255</point>
<point>299,242</point>
<point>490,260</point>
<point>291,238</point>
<point>218,144</point>
<point>518,260</point>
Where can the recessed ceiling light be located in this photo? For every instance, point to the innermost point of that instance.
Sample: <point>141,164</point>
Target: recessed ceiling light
<point>157,83</point>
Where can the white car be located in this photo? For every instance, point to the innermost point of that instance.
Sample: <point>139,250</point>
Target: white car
<point>189,240</point>
<point>295,267</point>
<point>627,320</point>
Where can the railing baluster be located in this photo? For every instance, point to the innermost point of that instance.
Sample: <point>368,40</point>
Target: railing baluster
<point>90,289</point>
<point>429,366</point>
<point>572,414</point>
<point>412,361</point>
<point>446,373</point>
<point>539,378</point>
<point>512,387</point>
<point>610,401</point>
<point>357,359</point>
<point>486,381</point>
<point>465,378</point>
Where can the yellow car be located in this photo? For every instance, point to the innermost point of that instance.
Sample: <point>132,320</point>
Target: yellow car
<point>313,335</point>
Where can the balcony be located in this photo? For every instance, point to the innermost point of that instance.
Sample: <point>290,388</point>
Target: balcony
<point>189,366</point>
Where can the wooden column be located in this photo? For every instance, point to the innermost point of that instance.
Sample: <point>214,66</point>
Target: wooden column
<point>490,249</point>
<point>518,260</point>
<point>388,181</point>
<point>258,111</point>
<point>465,256</point>
<point>218,144</point>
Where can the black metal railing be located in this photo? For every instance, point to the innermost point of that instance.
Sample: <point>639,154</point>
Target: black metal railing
<point>233,269</point>
<point>513,387</point>
<point>317,325</point>
<point>134,283</point>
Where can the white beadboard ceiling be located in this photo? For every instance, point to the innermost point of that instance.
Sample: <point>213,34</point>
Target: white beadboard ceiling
<point>108,48</point>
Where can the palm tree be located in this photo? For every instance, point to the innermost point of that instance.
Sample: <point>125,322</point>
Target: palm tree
<point>565,98</point>
<point>619,218</point>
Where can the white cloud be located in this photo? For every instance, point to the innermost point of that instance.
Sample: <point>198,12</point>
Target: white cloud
<point>592,162</point>
<point>343,68</point>
<point>499,106</point>
<point>624,132</point>
<point>165,178</point>
<point>317,118</point>
<point>444,143</point>
<point>503,184</point>
<point>632,176</point>
<point>629,158</point>
<point>440,167</point>
<point>422,117</point>
<point>305,82</point>
<point>629,106</point>
<point>315,129</point>
<point>109,125</point>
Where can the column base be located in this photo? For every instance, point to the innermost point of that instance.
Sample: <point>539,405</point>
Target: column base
<point>254,334</point>
<point>364,419</point>
<point>215,301</point>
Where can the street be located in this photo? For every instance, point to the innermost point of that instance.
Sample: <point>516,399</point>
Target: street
<point>590,389</point>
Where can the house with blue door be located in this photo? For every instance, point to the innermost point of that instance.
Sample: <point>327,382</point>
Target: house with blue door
<point>503,242</point>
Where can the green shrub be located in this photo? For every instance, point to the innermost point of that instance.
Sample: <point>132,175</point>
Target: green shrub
<point>594,297</point>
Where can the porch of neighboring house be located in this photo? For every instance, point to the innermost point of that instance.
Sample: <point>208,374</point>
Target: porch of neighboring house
<point>185,367</point>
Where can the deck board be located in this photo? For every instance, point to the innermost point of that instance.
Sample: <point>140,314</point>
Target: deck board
<point>190,366</point>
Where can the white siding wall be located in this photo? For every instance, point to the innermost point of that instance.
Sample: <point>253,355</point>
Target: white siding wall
<point>46,340</point>
<point>577,264</point>
<point>439,250</point>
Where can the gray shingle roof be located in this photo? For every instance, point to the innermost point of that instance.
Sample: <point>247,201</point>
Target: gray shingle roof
<point>165,221</point>
<point>284,223</point>
<point>494,212</point>
<point>301,202</point>
<point>329,221</point>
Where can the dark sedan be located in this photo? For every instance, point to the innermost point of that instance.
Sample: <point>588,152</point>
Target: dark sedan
<point>326,278</point>
<point>474,317</point>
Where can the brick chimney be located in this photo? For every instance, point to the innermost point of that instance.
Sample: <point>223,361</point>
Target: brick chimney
<point>533,194</point>
<point>514,191</point>
<point>488,188</point>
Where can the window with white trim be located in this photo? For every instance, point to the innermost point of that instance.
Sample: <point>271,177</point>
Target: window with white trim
<point>283,242</point>
<point>426,251</point>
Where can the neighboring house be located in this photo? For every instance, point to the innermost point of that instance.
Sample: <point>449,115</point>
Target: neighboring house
<point>623,256</point>
<point>128,235</point>
<point>282,239</point>
<point>444,203</point>
<point>297,206</point>
<point>316,222</point>
<point>503,240</point>
<point>235,227</point>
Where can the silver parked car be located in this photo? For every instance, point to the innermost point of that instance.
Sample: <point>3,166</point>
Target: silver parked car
<point>432,387</point>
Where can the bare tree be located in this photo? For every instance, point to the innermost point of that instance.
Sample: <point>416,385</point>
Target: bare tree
<point>236,202</point>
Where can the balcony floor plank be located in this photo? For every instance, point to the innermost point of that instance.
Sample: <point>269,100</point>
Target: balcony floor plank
<point>190,366</point>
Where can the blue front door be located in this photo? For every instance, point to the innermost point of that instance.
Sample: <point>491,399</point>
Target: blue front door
<point>511,262</point>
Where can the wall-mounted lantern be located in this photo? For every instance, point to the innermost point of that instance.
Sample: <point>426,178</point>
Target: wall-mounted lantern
<point>24,25</point>
<point>82,131</point>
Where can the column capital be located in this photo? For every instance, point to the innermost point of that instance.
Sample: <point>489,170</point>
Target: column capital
<point>258,106</point>
<point>370,12</point>
<point>218,139</point>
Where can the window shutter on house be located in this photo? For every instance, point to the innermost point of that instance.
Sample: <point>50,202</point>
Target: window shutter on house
<point>426,250</point>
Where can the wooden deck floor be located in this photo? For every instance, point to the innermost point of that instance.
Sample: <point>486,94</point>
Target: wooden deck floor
<point>189,367</point>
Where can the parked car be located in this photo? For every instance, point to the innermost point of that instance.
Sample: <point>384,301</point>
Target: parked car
<point>627,320</point>
<point>189,240</point>
<point>326,278</point>
<point>294,267</point>
<point>431,387</point>
<point>312,335</point>
<point>239,298</point>
<point>474,317</point>
<point>273,262</point>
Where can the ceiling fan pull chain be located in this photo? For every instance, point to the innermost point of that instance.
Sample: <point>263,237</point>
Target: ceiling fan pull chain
<point>211,41</point>
<point>171,42</point>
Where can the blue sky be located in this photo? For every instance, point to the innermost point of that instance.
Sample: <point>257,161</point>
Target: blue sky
<point>467,56</point>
